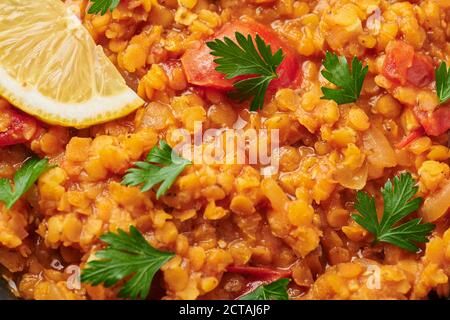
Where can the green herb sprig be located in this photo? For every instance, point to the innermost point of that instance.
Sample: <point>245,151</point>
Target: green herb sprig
<point>24,178</point>
<point>244,59</point>
<point>398,204</point>
<point>147,174</point>
<point>442,75</point>
<point>128,256</point>
<point>102,6</point>
<point>350,82</point>
<point>276,290</point>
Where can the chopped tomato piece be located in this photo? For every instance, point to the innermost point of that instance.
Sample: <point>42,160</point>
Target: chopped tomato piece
<point>258,276</point>
<point>402,65</point>
<point>16,127</point>
<point>199,64</point>
<point>410,138</point>
<point>261,273</point>
<point>421,72</point>
<point>436,122</point>
<point>399,58</point>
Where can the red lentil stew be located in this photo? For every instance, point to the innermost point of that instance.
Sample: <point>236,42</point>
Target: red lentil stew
<point>96,204</point>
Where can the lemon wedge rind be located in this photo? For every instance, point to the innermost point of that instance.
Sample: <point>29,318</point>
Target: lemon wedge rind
<point>101,109</point>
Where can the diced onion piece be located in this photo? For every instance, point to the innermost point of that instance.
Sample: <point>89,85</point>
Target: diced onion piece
<point>437,204</point>
<point>352,179</point>
<point>275,194</point>
<point>379,150</point>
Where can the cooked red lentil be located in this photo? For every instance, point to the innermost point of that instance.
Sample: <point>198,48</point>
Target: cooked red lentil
<point>227,225</point>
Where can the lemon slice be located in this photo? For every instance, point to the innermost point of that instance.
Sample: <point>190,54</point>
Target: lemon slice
<point>51,68</point>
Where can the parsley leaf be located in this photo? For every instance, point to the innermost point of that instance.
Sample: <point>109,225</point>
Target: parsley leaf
<point>102,6</point>
<point>244,59</point>
<point>276,290</point>
<point>148,174</point>
<point>127,256</point>
<point>443,82</point>
<point>350,82</point>
<point>24,178</point>
<point>398,204</point>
